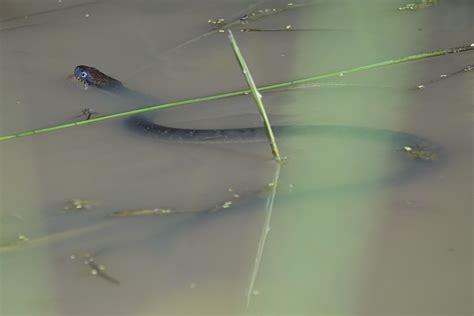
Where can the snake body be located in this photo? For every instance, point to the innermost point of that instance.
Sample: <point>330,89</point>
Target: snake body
<point>142,124</point>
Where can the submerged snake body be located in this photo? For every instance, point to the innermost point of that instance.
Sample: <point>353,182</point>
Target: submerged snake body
<point>144,125</point>
<point>91,76</point>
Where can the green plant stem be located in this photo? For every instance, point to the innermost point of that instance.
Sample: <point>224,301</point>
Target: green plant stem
<point>257,97</point>
<point>241,92</point>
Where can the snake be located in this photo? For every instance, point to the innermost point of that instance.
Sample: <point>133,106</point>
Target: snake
<point>146,126</point>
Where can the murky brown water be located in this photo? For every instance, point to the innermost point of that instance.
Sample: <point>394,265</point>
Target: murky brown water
<point>352,233</point>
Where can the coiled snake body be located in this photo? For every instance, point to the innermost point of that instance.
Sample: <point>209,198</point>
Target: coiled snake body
<point>91,76</point>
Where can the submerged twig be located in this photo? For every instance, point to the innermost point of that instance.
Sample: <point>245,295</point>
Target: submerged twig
<point>445,76</point>
<point>221,26</point>
<point>95,268</point>
<point>54,10</point>
<point>257,97</point>
<point>46,240</point>
<point>290,29</point>
<point>271,87</point>
<point>144,211</point>
<point>99,270</point>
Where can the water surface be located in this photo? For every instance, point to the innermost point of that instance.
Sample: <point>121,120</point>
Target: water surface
<point>352,233</point>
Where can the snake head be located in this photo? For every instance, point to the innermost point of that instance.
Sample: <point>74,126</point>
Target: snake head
<point>91,76</point>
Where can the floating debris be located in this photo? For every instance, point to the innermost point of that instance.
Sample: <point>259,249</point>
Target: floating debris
<point>410,6</point>
<point>239,198</point>
<point>87,113</point>
<point>244,18</point>
<point>23,238</point>
<point>89,259</point>
<point>252,16</point>
<point>216,22</point>
<point>222,24</point>
<point>96,269</point>
<point>419,152</point>
<point>423,4</point>
<point>226,204</point>
<point>144,211</point>
<point>79,205</point>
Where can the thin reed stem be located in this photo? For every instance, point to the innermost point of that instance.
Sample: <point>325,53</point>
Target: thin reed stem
<point>275,86</point>
<point>257,97</point>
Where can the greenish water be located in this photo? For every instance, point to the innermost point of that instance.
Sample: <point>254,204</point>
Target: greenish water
<point>356,227</point>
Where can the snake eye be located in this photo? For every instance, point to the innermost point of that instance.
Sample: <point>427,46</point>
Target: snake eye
<point>83,74</point>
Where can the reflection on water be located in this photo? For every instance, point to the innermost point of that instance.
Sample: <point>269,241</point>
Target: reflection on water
<point>357,225</point>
